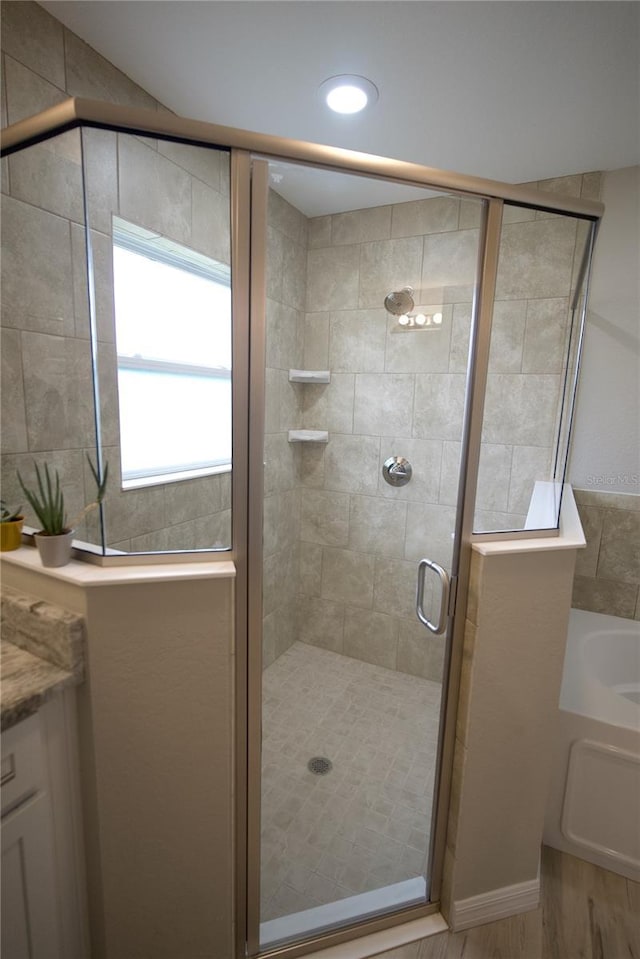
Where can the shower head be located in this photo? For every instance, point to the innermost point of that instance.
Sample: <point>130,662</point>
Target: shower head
<point>399,302</point>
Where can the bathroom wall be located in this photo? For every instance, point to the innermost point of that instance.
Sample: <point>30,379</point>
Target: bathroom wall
<point>286,291</point>
<point>607,576</point>
<point>46,366</point>
<point>401,394</point>
<point>605,453</point>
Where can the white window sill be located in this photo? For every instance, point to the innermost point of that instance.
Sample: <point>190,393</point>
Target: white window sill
<point>179,476</point>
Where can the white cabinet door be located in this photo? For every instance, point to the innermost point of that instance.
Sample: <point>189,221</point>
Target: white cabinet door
<point>29,904</point>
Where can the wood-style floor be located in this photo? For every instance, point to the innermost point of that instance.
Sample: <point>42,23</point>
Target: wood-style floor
<point>586,913</point>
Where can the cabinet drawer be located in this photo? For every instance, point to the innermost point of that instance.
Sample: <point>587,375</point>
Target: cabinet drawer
<point>23,763</point>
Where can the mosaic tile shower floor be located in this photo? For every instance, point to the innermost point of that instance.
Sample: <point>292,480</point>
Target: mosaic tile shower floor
<point>366,823</point>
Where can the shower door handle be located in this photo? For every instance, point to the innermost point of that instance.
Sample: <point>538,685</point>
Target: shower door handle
<point>443,576</point>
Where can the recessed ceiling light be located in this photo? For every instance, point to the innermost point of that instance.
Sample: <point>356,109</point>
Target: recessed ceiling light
<point>348,93</point>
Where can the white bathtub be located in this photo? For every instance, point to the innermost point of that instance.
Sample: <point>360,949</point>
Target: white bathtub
<point>593,810</point>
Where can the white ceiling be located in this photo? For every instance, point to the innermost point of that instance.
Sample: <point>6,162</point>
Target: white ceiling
<point>514,91</point>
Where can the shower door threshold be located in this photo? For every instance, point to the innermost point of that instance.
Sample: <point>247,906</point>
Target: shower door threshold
<point>410,892</point>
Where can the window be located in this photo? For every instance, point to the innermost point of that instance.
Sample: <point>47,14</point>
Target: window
<point>173,338</point>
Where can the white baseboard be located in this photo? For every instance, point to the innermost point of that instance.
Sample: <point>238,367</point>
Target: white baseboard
<point>495,904</point>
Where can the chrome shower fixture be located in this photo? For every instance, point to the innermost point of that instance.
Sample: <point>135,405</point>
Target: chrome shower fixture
<point>399,302</point>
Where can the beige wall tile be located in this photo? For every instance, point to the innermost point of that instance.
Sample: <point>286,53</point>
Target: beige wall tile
<point>601,499</point>
<point>49,176</point>
<point>312,464</point>
<point>605,596</point>
<point>324,518</point>
<point>329,406</point>
<point>322,624</point>
<point>274,263</point>
<point>619,557</point>
<point>284,340</point>
<point>333,279</point>
<point>430,529</point>
<point>316,341</point>
<point>420,351</point>
<point>383,404</point>
<point>425,457</point>
<point>432,215</point>
<point>280,632</point>
<point>449,265</point>
<point>470,213</point>
<point>36,270</point>
<point>286,218</point>
<point>507,336</point>
<point>14,423</point>
<point>310,569</point>
<point>145,181</point>
<point>420,653</point>
<point>294,274</point>
<point>591,186</point>
<point>388,265</point>
<point>90,75</point>
<point>282,463</point>
<point>520,410</point>
<point>281,521</point>
<point>371,637</point>
<point>376,526</point>
<point>27,93</point>
<point>190,499</point>
<point>528,464</point>
<point>201,162</point>
<point>361,226</point>
<point>492,521</point>
<point>494,477</point>
<point>58,392</point>
<point>460,332</point>
<point>439,406</point>
<point>319,232</point>
<point>101,177</point>
<point>347,577</point>
<point>395,586</point>
<point>450,473</point>
<point>545,336</point>
<point>108,392</point>
<point>357,341</point>
<point>280,580</point>
<point>351,463</point>
<point>587,558</point>
<point>536,259</point>
<point>211,227</point>
<point>35,38</point>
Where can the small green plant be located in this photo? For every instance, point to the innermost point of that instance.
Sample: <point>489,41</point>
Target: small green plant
<point>7,515</point>
<point>47,501</point>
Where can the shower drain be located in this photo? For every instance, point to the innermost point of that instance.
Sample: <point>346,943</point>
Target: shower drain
<point>319,766</point>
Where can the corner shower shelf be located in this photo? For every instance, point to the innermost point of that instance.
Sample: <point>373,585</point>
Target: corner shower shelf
<point>309,376</point>
<point>308,436</point>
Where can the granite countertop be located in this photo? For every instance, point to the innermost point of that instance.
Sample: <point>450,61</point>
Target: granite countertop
<point>42,651</point>
<point>27,681</point>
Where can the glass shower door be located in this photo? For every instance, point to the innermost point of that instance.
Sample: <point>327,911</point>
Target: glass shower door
<point>369,295</point>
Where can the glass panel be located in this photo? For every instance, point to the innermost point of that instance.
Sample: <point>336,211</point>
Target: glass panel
<point>352,681</point>
<point>47,395</point>
<point>534,339</point>
<point>160,319</point>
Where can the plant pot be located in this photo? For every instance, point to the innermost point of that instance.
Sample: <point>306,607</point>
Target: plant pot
<point>54,550</point>
<point>11,534</point>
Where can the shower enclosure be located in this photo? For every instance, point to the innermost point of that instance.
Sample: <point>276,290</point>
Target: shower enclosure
<point>336,370</point>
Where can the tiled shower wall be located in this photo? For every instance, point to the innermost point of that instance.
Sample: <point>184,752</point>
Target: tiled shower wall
<point>401,394</point>
<point>607,576</point>
<point>286,292</point>
<point>46,371</point>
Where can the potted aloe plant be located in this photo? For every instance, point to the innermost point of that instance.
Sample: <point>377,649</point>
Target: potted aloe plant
<point>47,501</point>
<point>10,527</point>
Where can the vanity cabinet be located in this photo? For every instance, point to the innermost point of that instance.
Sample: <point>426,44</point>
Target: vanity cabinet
<point>42,903</point>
